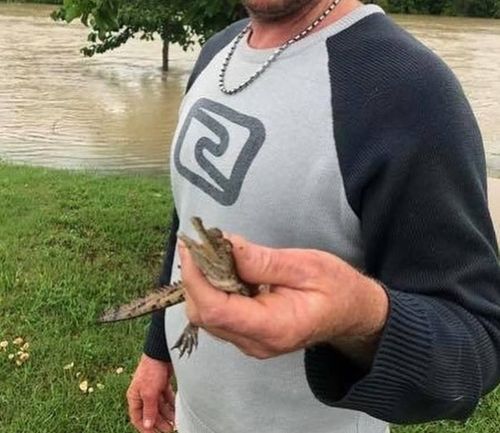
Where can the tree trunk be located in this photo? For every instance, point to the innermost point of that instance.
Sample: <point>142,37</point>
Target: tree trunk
<point>165,55</point>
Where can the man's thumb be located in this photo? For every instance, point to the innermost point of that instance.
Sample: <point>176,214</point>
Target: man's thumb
<point>258,264</point>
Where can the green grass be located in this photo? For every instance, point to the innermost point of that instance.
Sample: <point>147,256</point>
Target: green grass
<point>72,244</point>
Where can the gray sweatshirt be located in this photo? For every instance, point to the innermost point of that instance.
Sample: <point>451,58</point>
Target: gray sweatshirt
<point>357,141</point>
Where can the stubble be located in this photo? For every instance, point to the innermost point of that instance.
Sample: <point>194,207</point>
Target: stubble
<point>276,10</point>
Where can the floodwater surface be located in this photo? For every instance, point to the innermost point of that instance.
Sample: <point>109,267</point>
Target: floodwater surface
<point>118,111</point>
<point>59,109</point>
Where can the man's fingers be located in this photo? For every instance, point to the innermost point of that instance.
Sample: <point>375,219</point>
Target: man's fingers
<point>135,409</point>
<point>143,412</point>
<point>226,311</point>
<point>247,345</point>
<point>209,307</point>
<point>170,396</point>
<point>163,426</point>
<point>149,410</point>
<point>146,392</point>
<point>197,287</point>
<point>167,414</point>
<point>167,407</point>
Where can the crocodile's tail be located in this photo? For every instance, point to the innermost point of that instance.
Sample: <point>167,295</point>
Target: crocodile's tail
<point>164,296</point>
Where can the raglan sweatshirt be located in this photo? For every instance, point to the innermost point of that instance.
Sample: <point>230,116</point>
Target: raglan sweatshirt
<point>358,141</point>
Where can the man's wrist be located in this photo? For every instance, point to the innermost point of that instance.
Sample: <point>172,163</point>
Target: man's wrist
<point>376,307</point>
<point>371,316</point>
<point>154,360</point>
<point>360,350</point>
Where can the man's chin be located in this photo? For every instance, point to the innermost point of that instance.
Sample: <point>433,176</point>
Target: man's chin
<point>275,10</point>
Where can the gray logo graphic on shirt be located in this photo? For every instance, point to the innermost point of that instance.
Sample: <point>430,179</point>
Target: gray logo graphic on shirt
<point>216,147</point>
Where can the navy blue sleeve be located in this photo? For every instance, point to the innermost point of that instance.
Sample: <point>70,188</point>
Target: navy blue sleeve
<point>156,344</point>
<point>413,165</point>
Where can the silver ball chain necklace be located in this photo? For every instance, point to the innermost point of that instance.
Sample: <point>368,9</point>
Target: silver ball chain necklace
<point>272,57</point>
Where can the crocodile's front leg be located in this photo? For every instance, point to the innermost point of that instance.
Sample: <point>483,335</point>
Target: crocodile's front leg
<point>187,341</point>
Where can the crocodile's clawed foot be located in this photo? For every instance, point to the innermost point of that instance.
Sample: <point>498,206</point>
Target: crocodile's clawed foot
<point>188,341</point>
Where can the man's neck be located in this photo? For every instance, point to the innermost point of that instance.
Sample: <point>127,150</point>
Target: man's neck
<point>266,34</point>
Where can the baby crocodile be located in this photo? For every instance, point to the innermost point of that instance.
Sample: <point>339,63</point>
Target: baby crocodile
<point>214,258</point>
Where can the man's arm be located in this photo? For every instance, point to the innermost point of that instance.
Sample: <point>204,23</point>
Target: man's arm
<point>156,344</point>
<point>414,171</point>
<point>413,166</point>
<point>150,396</point>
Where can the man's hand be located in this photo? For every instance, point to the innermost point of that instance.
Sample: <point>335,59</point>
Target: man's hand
<point>150,397</point>
<point>314,297</point>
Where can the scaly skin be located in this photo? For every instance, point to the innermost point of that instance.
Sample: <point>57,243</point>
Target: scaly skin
<point>214,258</point>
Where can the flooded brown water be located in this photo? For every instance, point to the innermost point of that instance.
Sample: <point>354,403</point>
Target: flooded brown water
<point>118,111</point>
<point>60,109</point>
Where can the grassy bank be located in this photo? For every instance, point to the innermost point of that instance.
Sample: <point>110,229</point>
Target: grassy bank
<point>71,244</point>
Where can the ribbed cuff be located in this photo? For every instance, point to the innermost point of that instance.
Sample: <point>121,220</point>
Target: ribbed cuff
<point>392,389</point>
<point>156,343</point>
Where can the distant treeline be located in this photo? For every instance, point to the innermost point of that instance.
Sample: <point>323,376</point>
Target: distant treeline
<point>50,2</point>
<point>469,8</point>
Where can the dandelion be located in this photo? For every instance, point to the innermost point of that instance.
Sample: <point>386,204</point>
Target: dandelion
<point>91,390</point>
<point>100,386</point>
<point>11,356</point>
<point>18,341</point>
<point>78,374</point>
<point>25,347</point>
<point>120,370</point>
<point>4,344</point>
<point>24,356</point>
<point>69,366</point>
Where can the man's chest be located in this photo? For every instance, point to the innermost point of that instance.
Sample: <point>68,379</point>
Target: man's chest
<point>263,162</point>
<point>267,137</point>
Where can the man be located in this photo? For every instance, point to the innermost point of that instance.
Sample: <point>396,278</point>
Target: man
<point>351,167</point>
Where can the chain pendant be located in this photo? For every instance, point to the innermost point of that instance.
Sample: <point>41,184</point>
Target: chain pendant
<point>272,57</point>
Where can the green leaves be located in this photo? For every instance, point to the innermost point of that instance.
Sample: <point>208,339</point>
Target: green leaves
<point>475,8</point>
<point>113,22</point>
<point>72,10</point>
